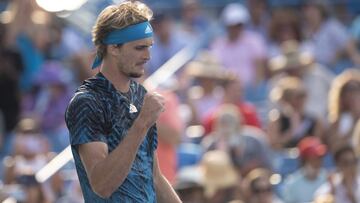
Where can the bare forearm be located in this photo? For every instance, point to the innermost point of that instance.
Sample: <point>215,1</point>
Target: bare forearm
<point>169,134</point>
<point>110,173</point>
<point>164,192</point>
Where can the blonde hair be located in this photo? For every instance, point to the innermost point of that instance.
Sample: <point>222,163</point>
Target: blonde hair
<point>285,87</point>
<point>335,93</point>
<point>117,17</point>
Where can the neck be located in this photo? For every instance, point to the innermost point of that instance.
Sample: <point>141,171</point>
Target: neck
<point>120,81</point>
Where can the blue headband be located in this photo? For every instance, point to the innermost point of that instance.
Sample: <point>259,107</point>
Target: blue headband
<point>131,33</point>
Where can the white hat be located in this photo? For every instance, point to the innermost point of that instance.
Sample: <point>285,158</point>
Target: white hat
<point>234,14</point>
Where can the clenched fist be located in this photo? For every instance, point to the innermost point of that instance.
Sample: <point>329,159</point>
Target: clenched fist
<point>153,105</point>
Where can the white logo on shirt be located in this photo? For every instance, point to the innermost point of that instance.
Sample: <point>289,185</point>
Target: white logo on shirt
<point>132,108</point>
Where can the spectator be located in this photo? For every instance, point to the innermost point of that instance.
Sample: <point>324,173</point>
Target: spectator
<point>29,32</point>
<point>257,187</point>
<point>245,144</point>
<point>301,185</point>
<point>233,95</point>
<point>241,51</point>
<point>207,74</point>
<point>344,108</point>
<point>328,37</point>
<point>29,151</point>
<point>289,123</point>
<point>285,25</point>
<point>220,177</point>
<point>295,62</point>
<point>344,186</point>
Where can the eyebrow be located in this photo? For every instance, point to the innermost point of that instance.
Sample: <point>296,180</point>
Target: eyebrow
<point>144,45</point>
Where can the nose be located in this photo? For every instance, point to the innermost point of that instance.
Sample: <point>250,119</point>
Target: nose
<point>147,55</point>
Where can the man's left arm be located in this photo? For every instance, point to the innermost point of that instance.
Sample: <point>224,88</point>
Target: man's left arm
<point>164,192</point>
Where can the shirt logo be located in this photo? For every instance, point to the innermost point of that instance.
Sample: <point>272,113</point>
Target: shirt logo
<point>132,108</point>
<point>148,30</point>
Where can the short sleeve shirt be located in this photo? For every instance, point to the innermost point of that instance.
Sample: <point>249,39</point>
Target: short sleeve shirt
<point>331,38</point>
<point>99,113</point>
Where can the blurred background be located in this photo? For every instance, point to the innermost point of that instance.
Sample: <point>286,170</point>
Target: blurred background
<point>262,97</point>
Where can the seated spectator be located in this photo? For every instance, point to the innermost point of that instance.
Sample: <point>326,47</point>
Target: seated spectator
<point>344,108</point>
<point>240,51</point>
<point>289,123</point>
<point>233,95</point>
<point>328,37</point>
<point>29,151</point>
<point>295,62</point>
<point>220,177</point>
<point>301,185</point>
<point>285,25</point>
<point>257,187</point>
<point>246,144</point>
<point>207,74</point>
<point>344,186</point>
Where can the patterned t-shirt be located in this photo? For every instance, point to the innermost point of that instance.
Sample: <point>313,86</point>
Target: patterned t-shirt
<point>98,112</point>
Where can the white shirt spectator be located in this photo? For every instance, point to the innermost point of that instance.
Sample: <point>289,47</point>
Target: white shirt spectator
<point>340,190</point>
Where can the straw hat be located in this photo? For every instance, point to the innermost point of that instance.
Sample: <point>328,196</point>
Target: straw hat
<point>219,172</point>
<point>207,66</point>
<point>292,57</point>
<point>189,177</point>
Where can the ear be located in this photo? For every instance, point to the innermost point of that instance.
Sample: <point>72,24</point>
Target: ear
<point>113,49</point>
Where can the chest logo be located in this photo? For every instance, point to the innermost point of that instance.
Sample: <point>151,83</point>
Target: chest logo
<point>132,108</point>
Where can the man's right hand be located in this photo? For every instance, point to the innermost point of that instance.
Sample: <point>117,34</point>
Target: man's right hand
<point>153,105</point>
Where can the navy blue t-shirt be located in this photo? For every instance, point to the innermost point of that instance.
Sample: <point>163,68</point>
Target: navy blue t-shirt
<point>98,112</point>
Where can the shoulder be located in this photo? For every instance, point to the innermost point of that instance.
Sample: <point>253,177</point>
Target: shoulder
<point>294,178</point>
<point>81,98</point>
<point>334,26</point>
<point>83,103</point>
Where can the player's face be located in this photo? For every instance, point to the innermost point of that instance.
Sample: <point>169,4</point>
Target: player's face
<point>133,56</point>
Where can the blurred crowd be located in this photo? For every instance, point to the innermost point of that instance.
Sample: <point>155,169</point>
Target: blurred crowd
<point>266,111</point>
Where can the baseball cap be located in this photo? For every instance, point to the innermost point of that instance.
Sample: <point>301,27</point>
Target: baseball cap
<point>311,147</point>
<point>234,14</point>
